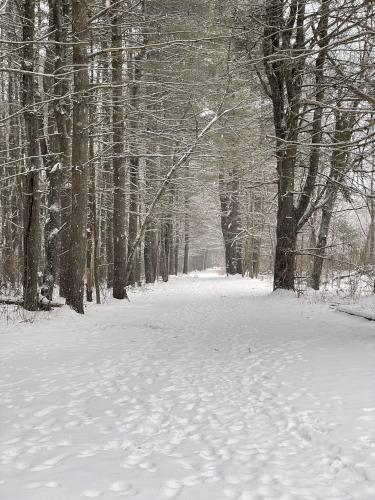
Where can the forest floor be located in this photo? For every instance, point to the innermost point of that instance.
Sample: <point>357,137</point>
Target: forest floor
<point>205,388</point>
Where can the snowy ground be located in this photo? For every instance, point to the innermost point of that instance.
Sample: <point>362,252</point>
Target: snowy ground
<point>201,389</point>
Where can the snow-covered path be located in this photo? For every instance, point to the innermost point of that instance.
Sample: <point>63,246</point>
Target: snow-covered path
<point>202,389</point>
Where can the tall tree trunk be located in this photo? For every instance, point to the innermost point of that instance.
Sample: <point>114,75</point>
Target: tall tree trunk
<point>185,268</point>
<point>90,249</point>
<point>31,196</point>
<point>176,250</point>
<point>52,228</point>
<point>133,218</point>
<point>108,237</point>
<point>59,10</point>
<point>322,241</point>
<point>89,261</point>
<point>286,231</point>
<point>49,148</point>
<point>230,220</point>
<point>165,234</point>
<point>135,63</point>
<point>95,229</point>
<point>150,250</point>
<point>80,155</point>
<point>119,171</point>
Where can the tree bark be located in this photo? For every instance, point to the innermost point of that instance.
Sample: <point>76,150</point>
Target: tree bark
<point>230,220</point>
<point>118,165</point>
<point>80,156</point>
<point>185,268</point>
<point>31,197</point>
<point>59,10</point>
<point>176,250</point>
<point>150,252</point>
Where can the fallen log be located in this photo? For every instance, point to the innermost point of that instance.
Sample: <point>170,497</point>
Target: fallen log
<point>361,313</point>
<point>19,302</point>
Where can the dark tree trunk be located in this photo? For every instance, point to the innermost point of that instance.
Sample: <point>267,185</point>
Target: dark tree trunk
<point>166,232</point>
<point>49,148</point>
<point>255,257</point>
<point>133,217</point>
<point>230,220</point>
<point>59,10</point>
<point>95,231</point>
<point>89,260</point>
<point>80,156</point>
<point>321,243</point>
<point>52,227</point>
<point>91,215</point>
<point>119,172</point>
<point>150,251</point>
<point>176,250</point>
<point>31,197</point>
<point>286,230</point>
<point>286,239</point>
<point>108,238</point>
<point>171,263</point>
<point>185,268</point>
<point>134,63</point>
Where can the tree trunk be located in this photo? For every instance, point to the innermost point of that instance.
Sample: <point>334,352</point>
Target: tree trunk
<point>286,239</point>
<point>95,230</point>
<point>165,250</point>
<point>51,229</point>
<point>176,250</point>
<point>322,242</point>
<point>150,252</point>
<point>185,268</point>
<point>49,148</point>
<point>119,171</point>
<point>133,218</point>
<point>31,196</point>
<point>80,156</point>
<point>89,260</point>
<point>230,220</point>
<point>108,237</point>
<point>59,10</point>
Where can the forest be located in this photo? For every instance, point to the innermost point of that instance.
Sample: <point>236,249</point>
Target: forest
<point>141,139</point>
<point>187,249</point>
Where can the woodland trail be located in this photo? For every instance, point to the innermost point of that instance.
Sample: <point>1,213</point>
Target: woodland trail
<point>204,388</point>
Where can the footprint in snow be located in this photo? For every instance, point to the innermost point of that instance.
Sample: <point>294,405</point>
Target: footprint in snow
<point>120,486</point>
<point>87,453</point>
<point>231,493</point>
<point>44,412</point>
<point>22,466</point>
<point>91,493</point>
<point>191,480</point>
<point>48,464</point>
<point>367,418</point>
<point>52,484</point>
<point>33,486</point>
<point>172,488</point>
<point>232,479</point>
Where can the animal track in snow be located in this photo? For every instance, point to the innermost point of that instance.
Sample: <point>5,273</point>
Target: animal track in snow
<point>91,493</point>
